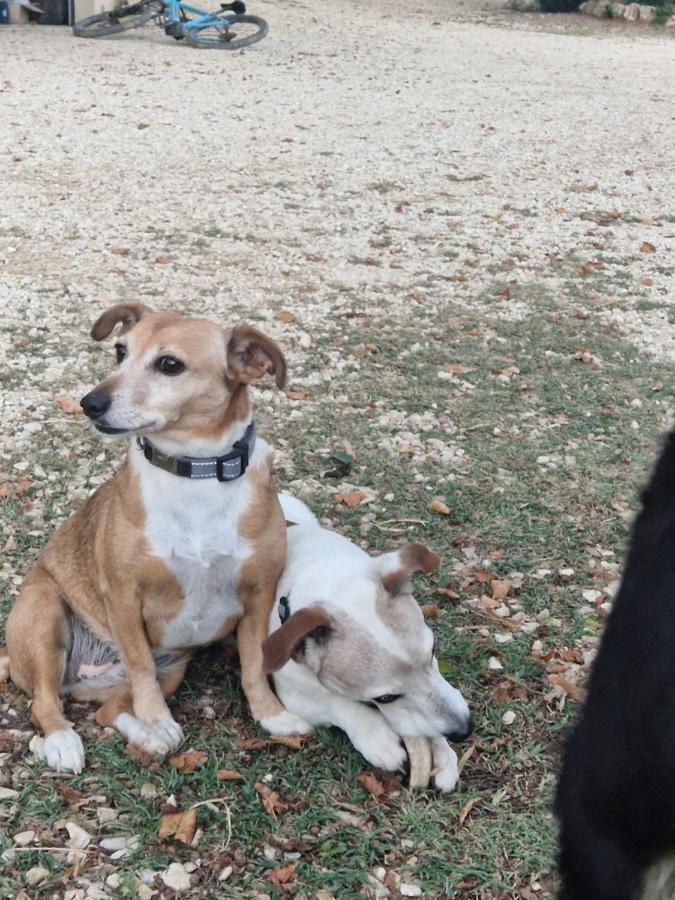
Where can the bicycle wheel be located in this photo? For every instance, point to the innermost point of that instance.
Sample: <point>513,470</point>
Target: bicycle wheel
<point>227,32</point>
<point>117,20</point>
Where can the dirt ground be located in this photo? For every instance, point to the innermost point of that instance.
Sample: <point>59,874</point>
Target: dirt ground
<point>459,223</point>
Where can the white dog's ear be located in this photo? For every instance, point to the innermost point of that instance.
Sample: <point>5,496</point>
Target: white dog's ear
<point>398,567</point>
<point>310,623</point>
<point>251,354</point>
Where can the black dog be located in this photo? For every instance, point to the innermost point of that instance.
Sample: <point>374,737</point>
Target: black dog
<point>616,795</point>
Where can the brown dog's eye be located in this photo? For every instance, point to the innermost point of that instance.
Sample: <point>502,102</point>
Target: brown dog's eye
<point>120,352</point>
<point>388,698</point>
<point>169,365</point>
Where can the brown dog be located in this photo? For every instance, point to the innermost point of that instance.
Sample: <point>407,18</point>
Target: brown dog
<point>184,543</point>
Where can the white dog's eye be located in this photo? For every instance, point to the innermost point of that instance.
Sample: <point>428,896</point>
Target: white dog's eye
<point>388,698</point>
<point>120,352</point>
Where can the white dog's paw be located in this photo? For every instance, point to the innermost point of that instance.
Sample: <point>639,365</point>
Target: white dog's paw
<point>286,723</point>
<point>446,771</point>
<point>64,751</point>
<point>380,745</point>
<point>156,738</point>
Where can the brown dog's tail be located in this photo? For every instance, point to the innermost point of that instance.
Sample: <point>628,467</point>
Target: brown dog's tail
<point>4,664</point>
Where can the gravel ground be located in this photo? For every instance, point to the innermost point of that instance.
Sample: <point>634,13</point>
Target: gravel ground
<point>363,150</point>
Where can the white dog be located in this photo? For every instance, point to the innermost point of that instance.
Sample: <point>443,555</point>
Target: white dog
<point>349,646</point>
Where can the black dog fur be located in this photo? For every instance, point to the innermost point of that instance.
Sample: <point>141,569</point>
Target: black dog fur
<point>616,794</point>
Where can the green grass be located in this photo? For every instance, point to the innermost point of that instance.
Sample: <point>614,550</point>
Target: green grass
<point>507,506</point>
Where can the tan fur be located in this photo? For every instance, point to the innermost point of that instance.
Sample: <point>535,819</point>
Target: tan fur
<point>414,558</point>
<point>98,564</point>
<point>283,643</point>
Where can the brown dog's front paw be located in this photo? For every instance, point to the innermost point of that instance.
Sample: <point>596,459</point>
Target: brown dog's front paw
<point>155,738</point>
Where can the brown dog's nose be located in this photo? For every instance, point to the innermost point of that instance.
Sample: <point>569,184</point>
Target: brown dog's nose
<point>95,403</point>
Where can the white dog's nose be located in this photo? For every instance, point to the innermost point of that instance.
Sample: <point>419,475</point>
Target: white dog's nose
<point>456,736</point>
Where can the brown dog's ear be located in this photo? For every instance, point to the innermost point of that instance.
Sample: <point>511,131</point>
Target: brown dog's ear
<point>396,568</point>
<point>128,313</point>
<point>281,645</point>
<point>251,354</point>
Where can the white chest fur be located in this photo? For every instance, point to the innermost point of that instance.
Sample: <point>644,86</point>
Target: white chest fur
<point>193,527</point>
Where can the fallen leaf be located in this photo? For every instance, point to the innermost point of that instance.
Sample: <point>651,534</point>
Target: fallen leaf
<point>294,741</point>
<point>179,825</point>
<point>446,592</point>
<point>466,809</point>
<point>228,775</point>
<point>68,405</point>
<point>351,499</point>
<point>253,743</point>
<point>438,506</point>
<point>648,282</point>
<point>270,800</point>
<point>430,611</point>
<point>646,247</point>
<point>300,394</point>
<point>283,874</point>
<point>120,251</point>
<point>70,794</point>
<point>509,372</point>
<point>371,783</point>
<point>285,316</point>
<point>500,588</point>
<point>162,260</point>
<point>457,368</point>
<point>188,761</point>
<point>142,125</point>
<point>5,489</point>
<point>572,690</point>
<point>22,486</point>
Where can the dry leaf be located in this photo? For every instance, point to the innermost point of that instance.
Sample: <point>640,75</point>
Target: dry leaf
<point>500,588</point>
<point>294,741</point>
<point>431,611</point>
<point>286,316</point>
<point>509,372</point>
<point>446,592</point>
<point>22,486</point>
<point>457,368</point>
<point>68,405</point>
<point>438,506</point>
<point>352,499</point>
<point>120,251</point>
<point>251,743</point>
<point>300,394</point>
<point>270,800</point>
<point>188,761</point>
<point>228,775</point>
<point>646,247</point>
<point>572,690</point>
<point>282,875</point>
<point>466,809</point>
<point>648,282</point>
<point>5,489</point>
<point>180,825</point>
<point>162,260</point>
<point>371,783</point>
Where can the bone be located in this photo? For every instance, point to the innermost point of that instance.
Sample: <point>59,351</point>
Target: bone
<point>419,755</point>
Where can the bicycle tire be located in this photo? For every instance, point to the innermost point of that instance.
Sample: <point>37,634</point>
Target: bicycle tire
<point>115,21</point>
<point>219,40</point>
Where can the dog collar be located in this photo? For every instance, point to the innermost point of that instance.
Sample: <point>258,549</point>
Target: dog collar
<point>284,609</point>
<point>228,467</point>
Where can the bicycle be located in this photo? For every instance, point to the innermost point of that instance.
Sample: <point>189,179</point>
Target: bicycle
<point>229,28</point>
